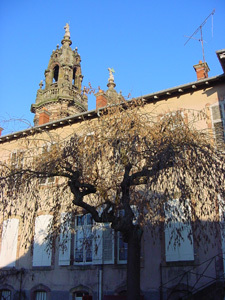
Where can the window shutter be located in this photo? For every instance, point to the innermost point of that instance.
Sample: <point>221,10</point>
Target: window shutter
<point>65,240</point>
<point>9,243</point>
<point>79,244</point>
<point>218,117</point>
<point>108,245</point>
<point>41,257</point>
<point>178,235</point>
<point>97,242</point>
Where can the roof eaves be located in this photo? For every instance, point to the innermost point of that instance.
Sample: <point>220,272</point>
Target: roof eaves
<point>153,97</point>
<point>50,125</point>
<point>185,88</point>
<point>221,56</point>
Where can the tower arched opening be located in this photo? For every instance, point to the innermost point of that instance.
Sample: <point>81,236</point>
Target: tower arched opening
<point>74,76</point>
<point>55,73</point>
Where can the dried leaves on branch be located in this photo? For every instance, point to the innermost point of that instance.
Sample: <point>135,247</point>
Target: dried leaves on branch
<point>124,158</point>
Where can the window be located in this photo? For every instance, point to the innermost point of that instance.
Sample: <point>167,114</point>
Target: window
<point>9,243</point>
<point>91,243</point>
<point>83,239</point>
<point>107,244</point>
<point>40,295</point>
<point>178,232</point>
<point>45,150</point>
<point>5,295</point>
<point>41,255</point>
<point>94,242</point>
<point>218,120</point>
<point>17,159</point>
<point>122,247</point>
<point>81,296</point>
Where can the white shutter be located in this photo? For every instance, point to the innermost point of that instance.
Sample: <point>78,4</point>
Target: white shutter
<point>103,244</point>
<point>9,243</point>
<point>178,235</point>
<point>41,257</point>
<point>65,240</point>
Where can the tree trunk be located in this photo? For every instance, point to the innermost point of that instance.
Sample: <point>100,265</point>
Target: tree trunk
<point>133,263</point>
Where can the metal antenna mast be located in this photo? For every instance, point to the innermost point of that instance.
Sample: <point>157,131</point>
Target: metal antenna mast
<point>201,38</point>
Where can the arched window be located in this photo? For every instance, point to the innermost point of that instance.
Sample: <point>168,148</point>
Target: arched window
<point>5,294</point>
<point>40,292</point>
<point>74,75</point>
<point>40,295</point>
<point>81,295</point>
<point>55,73</point>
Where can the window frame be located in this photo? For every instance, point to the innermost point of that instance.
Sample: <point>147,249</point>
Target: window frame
<point>100,233</point>
<point>85,227</point>
<point>221,119</point>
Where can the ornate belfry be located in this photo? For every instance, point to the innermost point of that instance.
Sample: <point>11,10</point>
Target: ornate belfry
<point>62,95</point>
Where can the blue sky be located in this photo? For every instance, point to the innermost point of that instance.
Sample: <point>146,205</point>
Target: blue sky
<point>142,40</point>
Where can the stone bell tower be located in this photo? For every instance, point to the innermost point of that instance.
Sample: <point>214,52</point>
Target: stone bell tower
<point>61,96</point>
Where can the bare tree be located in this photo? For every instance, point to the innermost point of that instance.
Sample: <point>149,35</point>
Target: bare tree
<point>123,159</point>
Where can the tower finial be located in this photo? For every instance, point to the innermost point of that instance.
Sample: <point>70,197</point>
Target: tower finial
<point>111,84</point>
<point>66,39</point>
<point>67,31</point>
<point>111,71</point>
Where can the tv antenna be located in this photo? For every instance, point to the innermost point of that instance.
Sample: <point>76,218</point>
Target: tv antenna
<point>201,34</point>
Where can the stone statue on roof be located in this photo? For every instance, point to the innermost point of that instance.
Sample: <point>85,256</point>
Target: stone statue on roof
<point>111,71</point>
<point>67,30</point>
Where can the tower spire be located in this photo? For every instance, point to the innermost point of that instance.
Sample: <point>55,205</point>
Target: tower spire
<point>66,39</point>
<point>61,96</point>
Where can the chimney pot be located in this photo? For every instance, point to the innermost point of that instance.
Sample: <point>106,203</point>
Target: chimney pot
<point>101,100</point>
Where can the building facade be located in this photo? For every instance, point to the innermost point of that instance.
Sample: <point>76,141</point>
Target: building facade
<point>78,271</point>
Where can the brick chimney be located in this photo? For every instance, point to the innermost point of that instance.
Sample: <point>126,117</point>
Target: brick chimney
<point>1,131</point>
<point>101,99</point>
<point>43,117</point>
<point>201,70</point>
